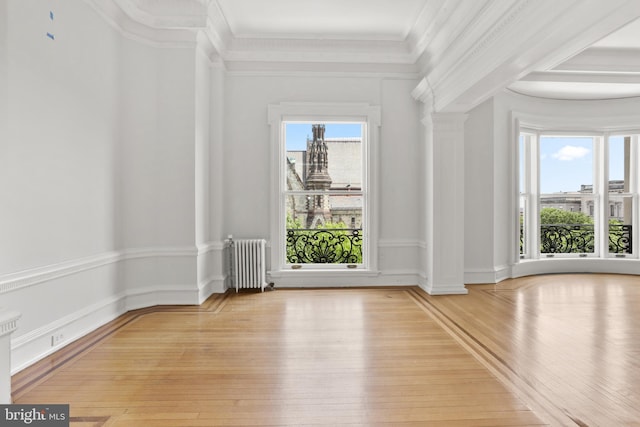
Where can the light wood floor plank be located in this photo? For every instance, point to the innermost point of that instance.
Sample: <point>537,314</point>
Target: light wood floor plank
<point>571,340</point>
<point>284,358</point>
<point>566,346</point>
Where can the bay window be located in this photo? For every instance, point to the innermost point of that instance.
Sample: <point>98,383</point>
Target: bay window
<point>578,194</point>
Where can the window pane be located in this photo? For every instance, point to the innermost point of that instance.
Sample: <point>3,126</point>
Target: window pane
<point>566,164</point>
<point>324,156</point>
<point>619,164</point>
<point>620,207</point>
<point>312,238</point>
<point>566,178</point>
<point>619,227</point>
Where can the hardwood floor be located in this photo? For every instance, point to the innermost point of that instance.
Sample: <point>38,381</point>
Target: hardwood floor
<point>565,346</point>
<point>569,343</point>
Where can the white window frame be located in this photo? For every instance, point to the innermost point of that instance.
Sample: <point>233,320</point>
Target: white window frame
<point>601,128</point>
<point>369,115</point>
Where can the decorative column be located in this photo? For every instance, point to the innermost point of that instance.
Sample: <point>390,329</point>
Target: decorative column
<point>443,206</point>
<point>8,324</point>
<point>445,203</point>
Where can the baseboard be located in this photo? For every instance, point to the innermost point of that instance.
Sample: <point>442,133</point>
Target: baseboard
<point>102,287</point>
<point>490,275</point>
<point>444,289</point>
<point>162,295</point>
<point>37,344</point>
<point>210,286</point>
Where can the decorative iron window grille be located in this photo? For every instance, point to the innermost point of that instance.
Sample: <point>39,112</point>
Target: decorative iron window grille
<point>579,238</point>
<point>324,246</point>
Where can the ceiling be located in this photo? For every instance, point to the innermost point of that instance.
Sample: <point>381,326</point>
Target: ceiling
<point>609,69</point>
<point>411,37</point>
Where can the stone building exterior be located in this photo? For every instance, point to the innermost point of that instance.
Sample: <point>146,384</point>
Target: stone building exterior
<point>576,202</point>
<point>327,164</point>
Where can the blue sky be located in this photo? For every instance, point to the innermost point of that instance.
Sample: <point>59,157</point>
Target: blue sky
<point>567,162</point>
<point>297,133</point>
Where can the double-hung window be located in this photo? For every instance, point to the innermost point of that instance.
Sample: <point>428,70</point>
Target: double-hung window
<point>323,212</point>
<point>324,194</point>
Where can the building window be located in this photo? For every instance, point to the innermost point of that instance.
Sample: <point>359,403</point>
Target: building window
<point>578,194</point>
<point>324,208</point>
<point>324,193</point>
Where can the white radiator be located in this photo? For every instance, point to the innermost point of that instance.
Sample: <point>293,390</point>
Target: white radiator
<point>249,265</point>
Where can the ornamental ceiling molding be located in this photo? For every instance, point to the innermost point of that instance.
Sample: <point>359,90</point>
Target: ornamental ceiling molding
<point>527,36</point>
<point>603,60</point>
<point>180,30</point>
<point>478,50</point>
<point>491,22</point>
<point>441,25</point>
<point>139,26</point>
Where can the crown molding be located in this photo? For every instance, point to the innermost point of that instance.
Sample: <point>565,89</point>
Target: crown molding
<point>218,28</point>
<point>182,30</point>
<point>424,93</point>
<point>466,51</point>
<point>135,25</point>
<point>206,46</point>
<point>333,69</point>
<point>452,24</point>
<point>168,13</point>
<point>306,50</point>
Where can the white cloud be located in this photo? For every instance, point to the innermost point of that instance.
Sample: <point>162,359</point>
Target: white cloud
<point>570,152</point>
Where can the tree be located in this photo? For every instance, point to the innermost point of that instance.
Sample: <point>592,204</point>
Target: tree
<point>559,216</point>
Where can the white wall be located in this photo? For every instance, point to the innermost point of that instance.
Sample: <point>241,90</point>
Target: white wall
<point>57,161</point>
<point>156,171</point>
<point>247,153</point>
<point>157,149</point>
<point>97,173</point>
<point>399,179</point>
<point>57,179</point>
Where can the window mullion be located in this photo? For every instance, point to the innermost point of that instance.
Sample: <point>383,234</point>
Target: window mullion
<point>601,195</point>
<point>533,200</point>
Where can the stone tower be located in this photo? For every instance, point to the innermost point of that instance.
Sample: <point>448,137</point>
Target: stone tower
<point>318,178</point>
